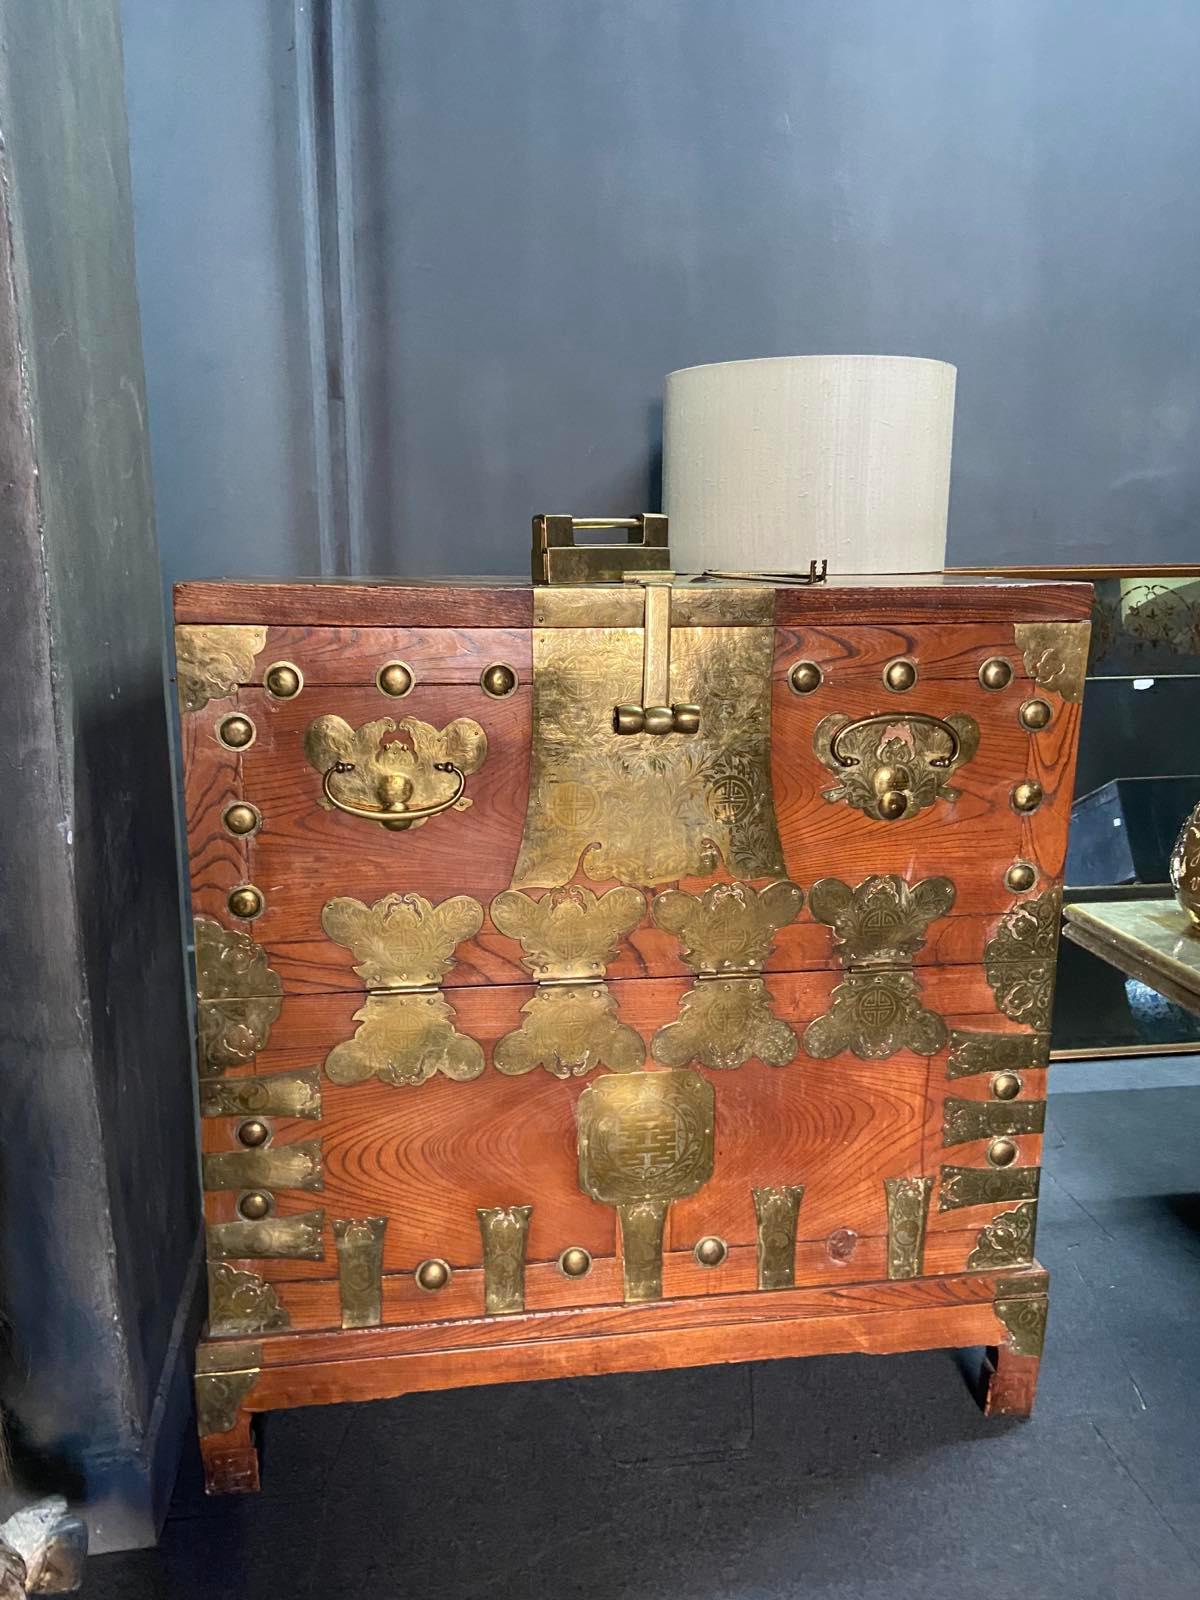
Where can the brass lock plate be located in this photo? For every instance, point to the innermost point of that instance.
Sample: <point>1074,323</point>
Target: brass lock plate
<point>645,1136</point>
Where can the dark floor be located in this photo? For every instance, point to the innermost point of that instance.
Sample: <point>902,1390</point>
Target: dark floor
<point>827,1478</point>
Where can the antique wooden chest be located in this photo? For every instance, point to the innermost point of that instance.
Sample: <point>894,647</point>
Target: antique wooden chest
<point>612,976</point>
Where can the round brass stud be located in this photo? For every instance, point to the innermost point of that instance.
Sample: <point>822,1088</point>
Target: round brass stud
<point>1035,714</point>
<point>1002,1152</point>
<point>628,719</point>
<point>893,803</point>
<point>1020,876</point>
<point>804,677</point>
<point>996,673</point>
<point>236,732</point>
<point>1006,1086</point>
<point>711,1251</point>
<point>241,818</point>
<point>395,678</point>
<point>253,1133</point>
<point>245,901</point>
<point>900,674</point>
<point>687,718</point>
<point>283,679</point>
<point>256,1205</point>
<point>659,719</point>
<point>498,680</point>
<point>433,1274</point>
<point>575,1262</point>
<point>1027,795</point>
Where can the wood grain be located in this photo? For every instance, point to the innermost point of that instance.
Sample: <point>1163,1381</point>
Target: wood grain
<point>353,656</point>
<point>1012,1381</point>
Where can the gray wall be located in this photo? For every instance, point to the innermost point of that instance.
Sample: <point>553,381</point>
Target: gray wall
<point>551,204</point>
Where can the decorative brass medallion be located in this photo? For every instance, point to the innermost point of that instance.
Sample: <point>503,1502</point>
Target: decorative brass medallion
<point>883,921</point>
<point>1018,961</point>
<point>212,661</point>
<point>725,1022</point>
<point>728,928</point>
<point>1055,655</point>
<point>389,781</point>
<point>569,1029</point>
<point>505,1231</point>
<point>979,1186</point>
<point>402,941</point>
<point>402,1039</point>
<point>1006,1241</point>
<point>893,766</point>
<point>359,1244</point>
<point>875,1015</point>
<point>298,1238</point>
<point>907,1209</point>
<point>568,935</point>
<point>964,1120</point>
<point>220,1392</point>
<point>238,995</point>
<point>278,1094</point>
<point>1025,1319</point>
<point>242,1302</point>
<point>777,1210</point>
<point>284,1166</point>
<point>975,1052</point>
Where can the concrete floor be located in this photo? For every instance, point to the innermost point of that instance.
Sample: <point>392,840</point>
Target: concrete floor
<point>831,1478</point>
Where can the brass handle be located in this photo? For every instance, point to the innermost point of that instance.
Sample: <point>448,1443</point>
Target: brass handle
<point>396,817</point>
<point>887,720</point>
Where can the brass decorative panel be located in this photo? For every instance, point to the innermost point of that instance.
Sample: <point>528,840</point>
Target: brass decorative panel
<point>644,809</point>
<point>278,1094</point>
<point>641,1248</point>
<point>1025,1320</point>
<point>282,1166</point>
<point>239,995</point>
<point>882,921</point>
<point>972,1053</point>
<point>777,1210</point>
<point>724,1022</point>
<point>980,1186</point>
<point>298,1238</point>
<point>894,766</point>
<point>623,606</point>
<point>504,1230</point>
<point>568,934</point>
<point>875,1015</point>
<point>1006,1241</point>
<point>404,1039</point>
<point>730,926</point>
<point>907,1209</point>
<point>987,1119</point>
<point>242,1302</point>
<point>569,1029</point>
<point>359,1243</point>
<point>1018,961</point>
<point>375,774</point>
<point>402,941</point>
<point>1055,655</point>
<point>211,661</point>
<point>220,1392</point>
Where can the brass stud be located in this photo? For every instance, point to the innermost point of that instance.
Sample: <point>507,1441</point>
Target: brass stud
<point>253,1133</point>
<point>659,719</point>
<point>498,680</point>
<point>1027,795</point>
<point>241,818</point>
<point>575,1262</point>
<point>256,1205</point>
<point>710,1251</point>
<point>687,718</point>
<point>893,803</point>
<point>236,732</point>
<point>1006,1086</point>
<point>804,677</point>
<point>1002,1152</point>
<point>900,674</point>
<point>395,678</point>
<point>283,680</point>
<point>628,719</point>
<point>433,1275</point>
<point>1035,714</point>
<point>245,901</point>
<point>1020,876</point>
<point>996,673</point>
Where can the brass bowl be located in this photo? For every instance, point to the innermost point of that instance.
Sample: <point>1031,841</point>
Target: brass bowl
<point>1185,866</point>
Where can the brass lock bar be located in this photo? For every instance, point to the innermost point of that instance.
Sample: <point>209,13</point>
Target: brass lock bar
<point>655,715</point>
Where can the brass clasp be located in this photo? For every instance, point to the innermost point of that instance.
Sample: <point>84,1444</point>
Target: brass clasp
<point>655,714</point>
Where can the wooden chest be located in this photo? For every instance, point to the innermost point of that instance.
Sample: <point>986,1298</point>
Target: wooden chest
<point>531,1048</point>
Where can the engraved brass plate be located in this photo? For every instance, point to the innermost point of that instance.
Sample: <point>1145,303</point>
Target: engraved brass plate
<point>1055,655</point>
<point>907,1209</point>
<point>568,934</point>
<point>644,809</point>
<point>283,1166</point>
<point>692,606</point>
<point>777,1210</point>
<point>1025,1320</point>
<point>402,941</point>
<point>277,1094</point>
<point>404,1039</point>
<point>289,1238</point>
<point>409,774</point>
<point>981,1186</point>
<point>641,1248</point>
<point>359,1243</point>
<point>242,1302</point>
<point>569,1030</point>
<point>904,761</point>
<point>875,1015</point>
<point>1018,961</point>
<point>972,1053</point>
<point>504,1230</point>
<point>239,995</point>
<point>882,921</point>
<point>645,1136</point>
<point>988,1119</point>
<point>724,1022</point>
<point>728,928</point>
<point>1006,1241</point>
<point>212,661</point>
<point>219,1395</point>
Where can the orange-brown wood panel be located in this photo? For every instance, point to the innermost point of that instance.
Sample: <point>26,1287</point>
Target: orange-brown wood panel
<point>217,861</point>
<point>353,656</point>
<point>941,651</point>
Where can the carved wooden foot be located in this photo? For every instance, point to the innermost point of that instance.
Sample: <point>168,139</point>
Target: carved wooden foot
<point>231,1459</point>
<point>1010,1383</point>
<point>225,1376</point>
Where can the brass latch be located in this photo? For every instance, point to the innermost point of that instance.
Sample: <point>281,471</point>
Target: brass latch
<point>558,559</point>
<point>654,715</point>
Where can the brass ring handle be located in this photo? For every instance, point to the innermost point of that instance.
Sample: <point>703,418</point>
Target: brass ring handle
<point>398,819</point>
<point>887,720</point>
